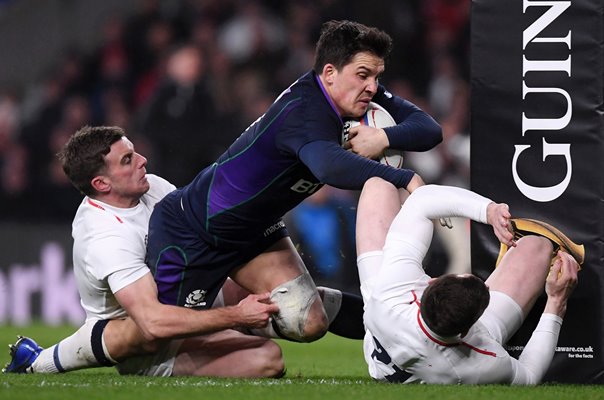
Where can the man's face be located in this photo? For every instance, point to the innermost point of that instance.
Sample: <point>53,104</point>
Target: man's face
<point>352,88</point>
<point>125,173</point>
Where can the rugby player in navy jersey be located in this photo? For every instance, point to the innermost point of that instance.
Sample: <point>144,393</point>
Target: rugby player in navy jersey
<point>228,221</point>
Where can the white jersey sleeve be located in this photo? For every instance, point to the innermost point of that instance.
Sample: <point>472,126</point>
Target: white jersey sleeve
<point>410,235</point>
<point>538,353</point>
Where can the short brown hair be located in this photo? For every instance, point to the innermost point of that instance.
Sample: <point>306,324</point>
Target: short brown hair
<point>452,303</point>
<point>341,40</point>
<point>82,157</point>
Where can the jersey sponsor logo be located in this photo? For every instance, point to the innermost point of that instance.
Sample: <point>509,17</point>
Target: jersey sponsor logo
<point>304,186</point>
<point>196,298</point>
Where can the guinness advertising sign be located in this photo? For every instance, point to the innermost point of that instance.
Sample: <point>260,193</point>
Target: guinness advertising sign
<point>537,144</point>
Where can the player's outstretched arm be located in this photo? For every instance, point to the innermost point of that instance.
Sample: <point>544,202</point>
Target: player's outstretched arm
<point>104,342</point>
<point>539,351</point>
<point>160,321</point>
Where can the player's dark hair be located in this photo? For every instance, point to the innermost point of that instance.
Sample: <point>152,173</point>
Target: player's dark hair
<point>341,40</point>
<point>82,157</point>
<point>453,303</point>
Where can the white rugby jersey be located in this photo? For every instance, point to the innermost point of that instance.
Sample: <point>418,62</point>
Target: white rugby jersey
<point>109,248</point>
<point>398,340</point>
<point>400,347</point>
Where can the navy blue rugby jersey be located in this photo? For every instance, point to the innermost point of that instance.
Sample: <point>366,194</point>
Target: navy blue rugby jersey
<point>284,157</point>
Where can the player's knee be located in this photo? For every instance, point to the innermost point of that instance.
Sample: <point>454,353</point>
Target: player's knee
<point>301,315</point>
<point>317,322</point>
<point>537,246</point>
<point>538,250</point>
<point>377,183</point>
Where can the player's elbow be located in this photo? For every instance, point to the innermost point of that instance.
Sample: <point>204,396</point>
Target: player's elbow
<point>436,134</point>
<point>157,332</point>
<point>151,343</point>
<point>433,136</point>
<point>153,329</point>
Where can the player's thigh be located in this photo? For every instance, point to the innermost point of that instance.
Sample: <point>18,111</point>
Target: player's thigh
<point>278,264</point>
<point>379,203</point>
<point>522,271</point>
<point>232,293</point>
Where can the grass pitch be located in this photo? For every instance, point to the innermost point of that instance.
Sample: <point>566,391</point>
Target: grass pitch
<point>332,368</point>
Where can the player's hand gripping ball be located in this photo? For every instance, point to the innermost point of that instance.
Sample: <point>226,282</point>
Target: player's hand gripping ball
<point>377,117</point>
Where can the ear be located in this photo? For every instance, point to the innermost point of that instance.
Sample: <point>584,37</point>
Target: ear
<point>329,72</point>
<point>101,184</point>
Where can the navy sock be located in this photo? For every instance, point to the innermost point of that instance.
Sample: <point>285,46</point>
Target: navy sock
<point>348,322</point>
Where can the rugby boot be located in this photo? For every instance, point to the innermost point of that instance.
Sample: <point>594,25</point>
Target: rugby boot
<point>23,354</point>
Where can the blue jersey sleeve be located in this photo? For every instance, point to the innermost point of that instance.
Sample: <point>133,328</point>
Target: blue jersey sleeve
<point>416,130</point>
<point>333,165</point>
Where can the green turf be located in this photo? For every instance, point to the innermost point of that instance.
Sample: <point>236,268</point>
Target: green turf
<point>332,368</point>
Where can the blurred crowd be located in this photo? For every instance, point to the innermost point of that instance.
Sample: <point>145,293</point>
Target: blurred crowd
<point>185,78</point>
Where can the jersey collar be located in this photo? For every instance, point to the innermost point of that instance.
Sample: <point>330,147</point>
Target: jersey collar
<point>333,106</point>
<point>436,338</point>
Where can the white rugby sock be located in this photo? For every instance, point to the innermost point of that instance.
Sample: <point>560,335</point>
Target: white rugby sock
<point>369,265</point>
<point>84,349</point>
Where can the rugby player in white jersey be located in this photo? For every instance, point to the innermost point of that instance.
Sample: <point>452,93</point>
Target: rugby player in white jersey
<point>110,230</point>
<point>452,329</point>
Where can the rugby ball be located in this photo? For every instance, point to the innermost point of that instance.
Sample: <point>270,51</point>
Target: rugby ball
<point>377,117</point>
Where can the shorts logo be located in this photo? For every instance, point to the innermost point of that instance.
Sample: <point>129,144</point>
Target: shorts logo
<point>274,228</point>
<point>196,298</point>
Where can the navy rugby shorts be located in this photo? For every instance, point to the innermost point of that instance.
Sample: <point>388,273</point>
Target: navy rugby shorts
<point>190,271</point>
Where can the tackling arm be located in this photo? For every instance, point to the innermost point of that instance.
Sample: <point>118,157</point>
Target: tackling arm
<point>160,321</point>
